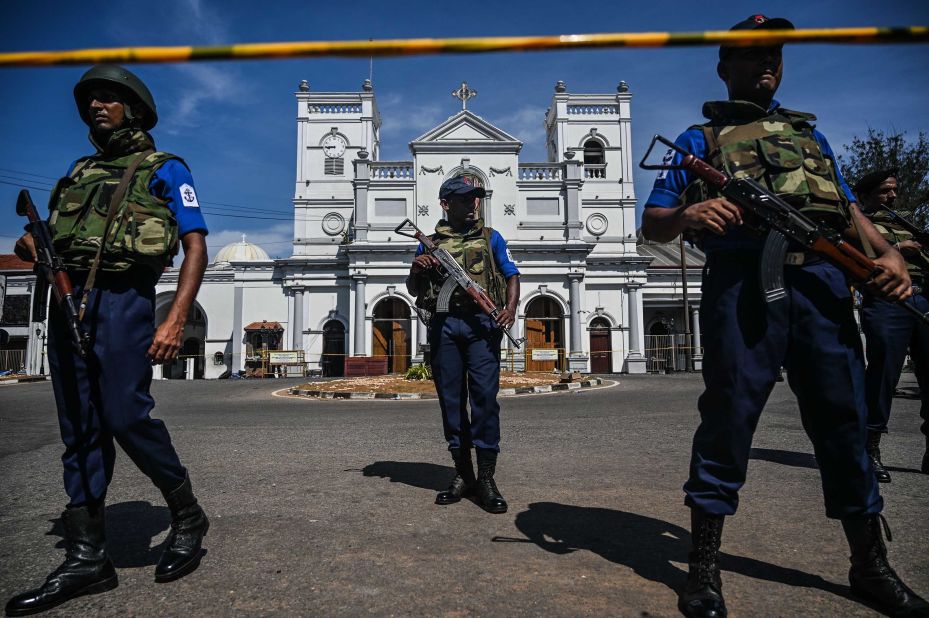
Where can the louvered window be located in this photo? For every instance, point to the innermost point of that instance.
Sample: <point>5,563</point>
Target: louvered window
<point>334,167</point>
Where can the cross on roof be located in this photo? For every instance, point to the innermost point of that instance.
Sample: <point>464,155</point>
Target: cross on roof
<point>463,94</point>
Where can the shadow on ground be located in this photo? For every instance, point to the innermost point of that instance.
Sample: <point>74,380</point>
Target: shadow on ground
<point>130,528</point>
<point>416,474</point>
<point>646,545</point>
<point>785,458</point>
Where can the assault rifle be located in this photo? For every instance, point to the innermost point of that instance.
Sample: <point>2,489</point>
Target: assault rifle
<point>785,225</point>
<point>51,269</point>
<point>455,277</point>
<point>919,235</point>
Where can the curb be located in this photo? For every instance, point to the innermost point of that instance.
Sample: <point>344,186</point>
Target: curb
<point>523,390</point>
<point>26,380</point>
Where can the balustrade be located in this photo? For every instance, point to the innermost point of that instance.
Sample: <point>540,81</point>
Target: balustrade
<point>595,170</point>
<point>335,108</point>
<point>593,110</point>
<point>540,171</point>
<point>391,170</point>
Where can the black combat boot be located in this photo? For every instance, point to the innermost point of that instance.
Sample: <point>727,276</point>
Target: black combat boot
<point>86,570</point>
<point>488,496</point>
<point>702,596</point>
<point>188,527</point>
<point>874,454</point>
<point>463,483</point>
<point>871,577</point>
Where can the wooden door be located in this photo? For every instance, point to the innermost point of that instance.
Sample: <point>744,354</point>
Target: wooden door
<point>601,356</point>
<point>399,359</point>
<point>539,335</point>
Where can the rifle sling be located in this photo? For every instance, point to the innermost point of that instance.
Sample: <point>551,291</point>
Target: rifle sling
<point>115,201</point>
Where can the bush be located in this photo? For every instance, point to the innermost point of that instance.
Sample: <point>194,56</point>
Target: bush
<point>419,372</point>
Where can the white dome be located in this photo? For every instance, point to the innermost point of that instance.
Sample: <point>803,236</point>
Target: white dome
<point>241,251</point>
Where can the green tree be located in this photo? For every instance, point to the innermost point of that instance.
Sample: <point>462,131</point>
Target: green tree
<point>880,151</point>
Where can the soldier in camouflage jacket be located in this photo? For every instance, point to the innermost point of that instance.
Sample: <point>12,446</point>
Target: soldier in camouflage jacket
<point>116,220</point>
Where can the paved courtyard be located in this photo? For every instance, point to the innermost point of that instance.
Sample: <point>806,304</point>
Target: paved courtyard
<point>326,508</point>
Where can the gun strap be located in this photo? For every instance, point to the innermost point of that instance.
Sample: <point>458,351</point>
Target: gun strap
<point>488,232</point>
<point>115,201</point>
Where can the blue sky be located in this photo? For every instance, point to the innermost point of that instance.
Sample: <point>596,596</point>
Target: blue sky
<point>234,124</point>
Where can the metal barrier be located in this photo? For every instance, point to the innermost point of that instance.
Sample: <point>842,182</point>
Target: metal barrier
<point>667,353</point>
<point>13,360</point>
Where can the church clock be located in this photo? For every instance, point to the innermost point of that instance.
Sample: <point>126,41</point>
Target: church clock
<point>334,146</point>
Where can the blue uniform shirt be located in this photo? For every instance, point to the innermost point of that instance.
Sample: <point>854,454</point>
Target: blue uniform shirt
<point>669,185</point>
<point>500,251</point>
<point>173,183</point>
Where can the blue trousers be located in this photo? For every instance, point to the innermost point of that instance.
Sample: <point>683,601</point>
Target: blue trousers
<point>465,350</point>
<point>889,330</point>
<point>814,335</point>
<point>105,397</point>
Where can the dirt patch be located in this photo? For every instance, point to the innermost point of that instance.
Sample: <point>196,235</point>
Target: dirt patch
<point>399,384</point>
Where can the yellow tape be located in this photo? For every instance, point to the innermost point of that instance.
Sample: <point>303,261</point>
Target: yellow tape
<point>405,47</point>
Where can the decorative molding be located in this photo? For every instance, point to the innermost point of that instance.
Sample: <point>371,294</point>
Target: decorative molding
<point>422,210</point>
<point>423,170</point>
<point>333,224</point>
<point>597,224</point>
<point>509,209</point>
<point>500,171</point>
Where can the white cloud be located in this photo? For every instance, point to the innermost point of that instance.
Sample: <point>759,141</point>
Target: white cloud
<point>404,121</point>
<point>200,88</point>
<point>526,124</point>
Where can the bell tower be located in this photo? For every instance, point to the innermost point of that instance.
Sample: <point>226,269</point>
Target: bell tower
<point>332,128</point>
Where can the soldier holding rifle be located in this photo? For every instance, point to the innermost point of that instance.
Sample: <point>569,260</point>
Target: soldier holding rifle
<point>464,341</point>
<point>810,328</point>
<point>889,330</point>
<point>115,223</point>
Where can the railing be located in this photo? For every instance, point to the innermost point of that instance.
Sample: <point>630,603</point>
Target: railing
<point>13,360</point>
<point>666,353</point>
<point>592,110</point>
<point>540,171</point>
<point>595,170</point>
<point>337,108</point>
<point>392,170</point>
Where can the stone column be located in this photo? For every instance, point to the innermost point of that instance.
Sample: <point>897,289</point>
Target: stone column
<point>358,336</point>
<point>698,347</point>
<point>298,319</point>
<point>360,184</point>
<point>572,185</point>
<point>577,360</point>
<point>635,361</point>
<point>237,363</point>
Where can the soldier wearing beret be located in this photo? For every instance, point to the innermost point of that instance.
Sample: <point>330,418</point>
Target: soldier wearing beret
<point>812,332</point>
<point>464,343</point>
<point>116,221</point>
<point>890,330</point>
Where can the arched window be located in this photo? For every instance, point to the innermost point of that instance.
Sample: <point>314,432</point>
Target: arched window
<point>593,153</point>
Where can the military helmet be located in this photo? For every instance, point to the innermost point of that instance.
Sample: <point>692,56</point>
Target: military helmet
<point>109,75</point>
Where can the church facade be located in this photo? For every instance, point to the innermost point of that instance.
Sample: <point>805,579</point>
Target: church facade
<point>590,292</point>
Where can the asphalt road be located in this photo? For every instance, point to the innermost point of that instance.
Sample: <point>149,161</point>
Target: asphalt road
<point>326,508</point>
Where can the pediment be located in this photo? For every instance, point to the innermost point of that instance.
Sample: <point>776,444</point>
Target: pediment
<point>466,127</point>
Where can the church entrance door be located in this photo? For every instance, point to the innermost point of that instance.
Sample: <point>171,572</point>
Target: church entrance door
<point>601,350</point>
<point>333,361</point>
<point>391,334</point>
<point>544,331</point>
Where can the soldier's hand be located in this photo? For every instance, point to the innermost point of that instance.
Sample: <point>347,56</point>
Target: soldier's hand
<point>715,215</point>
<point>167,342</point>
<point>25,248</point>
<point>506,317</point>
<point>423,262</point>
<point>893,282</point>
<point>909,247</point>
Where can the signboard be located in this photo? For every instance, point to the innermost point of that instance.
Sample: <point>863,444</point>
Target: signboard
<point>544,354</point>
<point>285,358</point>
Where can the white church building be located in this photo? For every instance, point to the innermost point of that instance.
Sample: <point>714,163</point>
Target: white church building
<point>592,292</point>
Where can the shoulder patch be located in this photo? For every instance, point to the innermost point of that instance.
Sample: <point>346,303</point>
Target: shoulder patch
<point>666,160</point>
<point>188,196</point>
